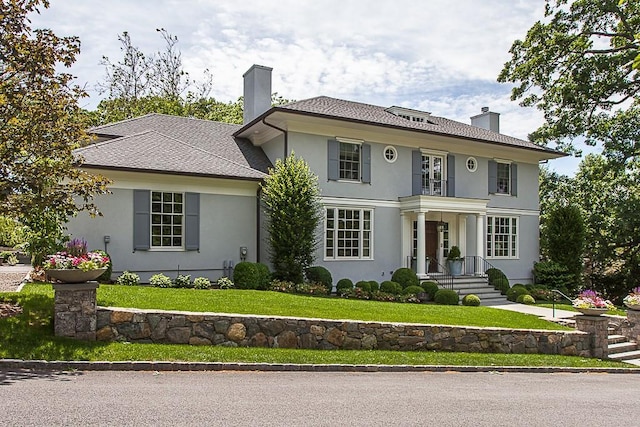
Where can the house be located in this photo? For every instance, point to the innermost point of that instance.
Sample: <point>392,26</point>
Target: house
<point>398,186</point>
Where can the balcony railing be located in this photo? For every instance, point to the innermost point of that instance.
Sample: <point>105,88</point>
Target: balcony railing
<point>435,187</point>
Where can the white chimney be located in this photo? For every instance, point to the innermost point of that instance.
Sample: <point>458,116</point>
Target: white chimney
<point>257,92</point>
<point>487,120</point>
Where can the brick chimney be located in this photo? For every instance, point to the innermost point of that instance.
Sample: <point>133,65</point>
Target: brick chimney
<point>257,92</point>
<point>487,120</point>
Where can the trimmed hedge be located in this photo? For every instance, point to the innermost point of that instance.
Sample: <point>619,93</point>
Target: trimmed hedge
<point>447,297</point>
<point>263,276</point>
<point>246,275</point>
<point>364,285</point>
<point>471,300</point>
<point>430,288</point>
<point>391,287</point>
<point>516,291</point>
<point>405,277</point>
<point>344,285</point>
<point>375,286</point>
<point>526,299</point>
<point>415,290</point>
<point>319,274</point>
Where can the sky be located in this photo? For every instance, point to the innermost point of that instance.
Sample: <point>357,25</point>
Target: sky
<point>440,56</point>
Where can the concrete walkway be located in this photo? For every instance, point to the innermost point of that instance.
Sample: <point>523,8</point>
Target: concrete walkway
<point>543,312</point>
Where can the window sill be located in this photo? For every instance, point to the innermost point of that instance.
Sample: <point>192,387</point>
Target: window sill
<point>158,249</point>
<point>347,259</point>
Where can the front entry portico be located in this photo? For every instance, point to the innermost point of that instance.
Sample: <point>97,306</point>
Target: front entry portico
<point>432,224</point>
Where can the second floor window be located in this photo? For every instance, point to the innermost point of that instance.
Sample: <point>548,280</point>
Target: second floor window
<point>432,175</point>
<point>349,161</point>
<point>504,178</point>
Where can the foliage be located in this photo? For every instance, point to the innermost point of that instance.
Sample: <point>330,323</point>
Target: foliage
<point>343,285</point>
<point>86,261</point>
<point>446,297</point>
<point>553,276</point>
<point>364,285</point>
<point>430,288</point>
<point>319,274</point>
<point>454,254</point>
<point>290,195</point>
<point>526,299</point>
<point>375,286</point>
<point>406,277</point>
<point>282,286</point>
<point>633,298</point>
<point>11,232</point>
<point>128,278</point>
<point>515,291</point>
<point>41,185</point>
<point>246,275</point>
<point>225,283</point>
<point>356,293</point>
<point>565,238</point>
<point>201,283</point>
<point>502,285</point>
<point>412,290</point>
<point>160,280</point>
<point>391,287</point>
<point>106,276</point>
<point>577,67</point>
<point>182,281</point>
<point>263,276</point>
<point>471,300</point>
<point>12,259</point>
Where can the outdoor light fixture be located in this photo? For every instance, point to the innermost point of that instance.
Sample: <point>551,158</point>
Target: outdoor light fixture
<point>440,225</point>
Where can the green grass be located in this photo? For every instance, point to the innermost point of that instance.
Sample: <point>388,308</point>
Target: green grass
<point>30,335</point>
<point>569,307</point>
<point>280,304</point>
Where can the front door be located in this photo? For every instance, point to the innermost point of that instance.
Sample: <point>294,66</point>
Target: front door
<point>431,240</point>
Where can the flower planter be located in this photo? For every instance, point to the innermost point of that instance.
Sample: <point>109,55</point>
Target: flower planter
<point>75,276</point>
<point>592,311</point>
<point>632,306</point>
<point>455,267</point>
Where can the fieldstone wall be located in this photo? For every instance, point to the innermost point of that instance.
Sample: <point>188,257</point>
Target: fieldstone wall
<point>146,326</point>
<point>75,310</point>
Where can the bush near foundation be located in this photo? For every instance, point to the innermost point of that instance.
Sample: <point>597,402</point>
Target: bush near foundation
<point>391,287</point>
<point>364,285</point>
<point>471,300</point>
<point>319,274</point>
<point>246,275</point>
<point>430,288</point>
<point>344,285</point>
<point>412,290</point>
<point>406,277</point>
<point>447,297</point>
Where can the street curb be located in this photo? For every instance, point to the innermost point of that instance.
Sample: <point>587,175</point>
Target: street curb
<point>44,365</point>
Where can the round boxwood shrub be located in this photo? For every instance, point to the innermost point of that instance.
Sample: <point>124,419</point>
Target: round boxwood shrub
<point>160,281</point>
<point>430,288</point>
<point>502,285</point>
<point>494,274</point>
<point>263,276</point>
<point>246,276</point>
<point>319,274</point>
<point>471,300</point>
<point>364,285</point>
<point>526,299</point>
<point>406,277</point>
<point>391,287</point>
<point>375,286</point>
<point>515,292</point>
<point>446,297</point>
<point>344,285</point>
<point>415,290</point>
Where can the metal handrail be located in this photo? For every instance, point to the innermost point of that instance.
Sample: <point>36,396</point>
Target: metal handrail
<point>471,261</point>
<point>444,277</point>
<point>553,301</point>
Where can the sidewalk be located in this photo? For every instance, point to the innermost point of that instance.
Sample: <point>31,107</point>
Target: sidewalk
<point>543,312</point>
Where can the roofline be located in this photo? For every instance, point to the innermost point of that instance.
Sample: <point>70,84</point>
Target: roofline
<point>275,109</point>
<point>163,172</point>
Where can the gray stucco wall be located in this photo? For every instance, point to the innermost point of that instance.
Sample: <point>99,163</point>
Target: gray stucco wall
<point>226,223</point>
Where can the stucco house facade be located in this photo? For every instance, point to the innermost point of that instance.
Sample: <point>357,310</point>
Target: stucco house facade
<point>397,185</point>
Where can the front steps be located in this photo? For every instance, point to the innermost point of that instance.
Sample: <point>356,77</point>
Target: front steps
<point>623,350</point>
<point>476,285</point>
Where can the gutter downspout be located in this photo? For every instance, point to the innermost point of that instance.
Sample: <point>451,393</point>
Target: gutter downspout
<point>258,223</point>
<point>286,136</point>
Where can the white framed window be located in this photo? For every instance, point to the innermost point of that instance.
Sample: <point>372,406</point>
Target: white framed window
<point>350,160</point>
<point>348,233</point>
<point>167,219</point>
<point>472,164</point>
<point>502,237</point>
<point>504,178</point>
<point>390,154</point>
<point>433,182</point>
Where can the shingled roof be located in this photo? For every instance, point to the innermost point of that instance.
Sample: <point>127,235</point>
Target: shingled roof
<point>173,144</point>
<point>324,106</point>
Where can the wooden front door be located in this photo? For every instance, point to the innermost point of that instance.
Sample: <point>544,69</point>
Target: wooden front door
<point>431,241</point>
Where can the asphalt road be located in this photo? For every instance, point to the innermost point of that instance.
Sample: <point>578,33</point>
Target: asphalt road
<point>316,399</point>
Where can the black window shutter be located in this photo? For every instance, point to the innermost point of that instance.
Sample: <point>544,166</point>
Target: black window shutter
<point>141,220</point>
<point>366,163</point>
<point>514,179</point>
<point>416,173</point>
<point>493,177</point>
<point>192,222</point>
<point>451,175</point>
<point>333,160</point>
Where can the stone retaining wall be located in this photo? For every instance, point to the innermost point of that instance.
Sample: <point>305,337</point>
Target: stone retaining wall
<point>146,326</point>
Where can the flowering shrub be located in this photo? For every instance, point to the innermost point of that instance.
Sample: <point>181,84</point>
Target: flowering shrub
<point>633,298</point>
<point>160,281</point>
<point>591,299</point>
<point>201,283</point>
<point>85,262</point>
<point>225,283</point>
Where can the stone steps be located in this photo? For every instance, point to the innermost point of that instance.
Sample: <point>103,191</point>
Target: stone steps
<point>479,286</point>
<point>623,350</point>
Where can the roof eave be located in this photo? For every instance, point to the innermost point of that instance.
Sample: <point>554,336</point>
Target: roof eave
<point>164,172</point>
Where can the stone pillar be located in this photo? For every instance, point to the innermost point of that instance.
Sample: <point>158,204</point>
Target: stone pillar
<point>421,250</point>
<point>598,327</point>
<point>75,312</point>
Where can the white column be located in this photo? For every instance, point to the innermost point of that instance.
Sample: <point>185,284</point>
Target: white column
<point>422,246</point>
<point>480,244</point>
<point>406,240</point>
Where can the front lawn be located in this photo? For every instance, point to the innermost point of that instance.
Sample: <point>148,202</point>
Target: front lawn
<point>30,334</point>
